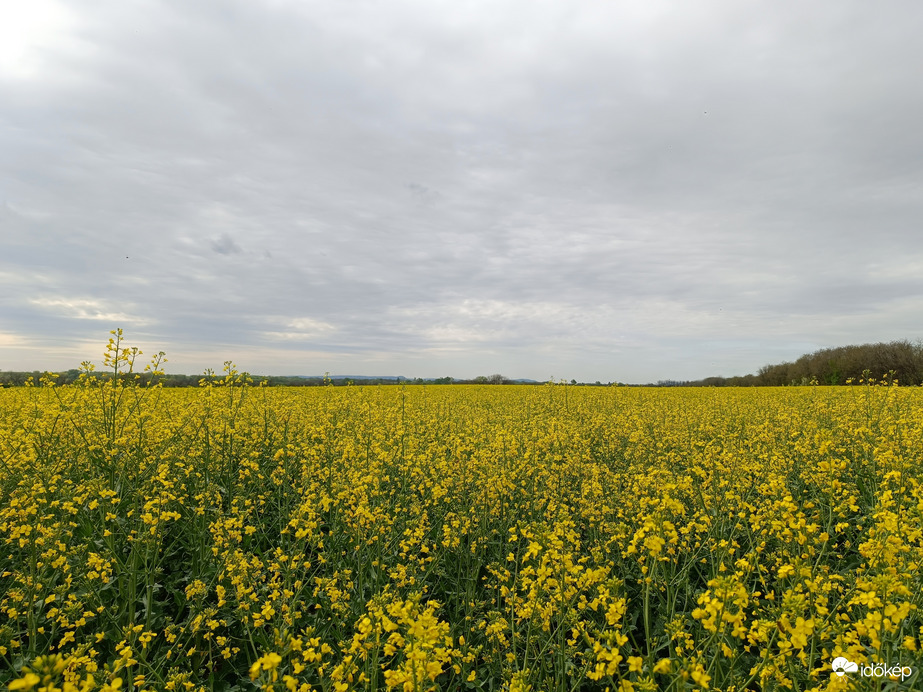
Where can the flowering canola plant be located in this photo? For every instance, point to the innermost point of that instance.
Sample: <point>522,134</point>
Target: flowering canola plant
<point>410,538</point>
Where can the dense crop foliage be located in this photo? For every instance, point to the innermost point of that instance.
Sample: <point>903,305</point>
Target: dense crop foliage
<point>552,537</point>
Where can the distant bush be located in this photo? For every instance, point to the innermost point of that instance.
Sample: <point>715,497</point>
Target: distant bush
<point>896,360</point>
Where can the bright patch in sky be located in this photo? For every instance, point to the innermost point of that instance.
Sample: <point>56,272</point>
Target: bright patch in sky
<point>27,29</point>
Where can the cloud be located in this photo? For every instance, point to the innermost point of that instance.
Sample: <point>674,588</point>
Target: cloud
<point>7,340</point>
<point>225,245</point>
<point>630,191</point>
<point>301,329</point>
<point>423,194</point>
<point>85,309</point>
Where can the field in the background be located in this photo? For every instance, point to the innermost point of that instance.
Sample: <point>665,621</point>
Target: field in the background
<point>458,537</point>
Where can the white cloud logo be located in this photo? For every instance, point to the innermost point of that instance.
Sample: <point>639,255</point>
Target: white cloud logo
<point>841,666</point>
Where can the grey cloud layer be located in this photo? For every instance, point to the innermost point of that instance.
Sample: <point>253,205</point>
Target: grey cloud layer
<point>605,191</point>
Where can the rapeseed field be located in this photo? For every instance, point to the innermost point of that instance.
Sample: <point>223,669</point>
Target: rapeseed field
<point>239,537</point>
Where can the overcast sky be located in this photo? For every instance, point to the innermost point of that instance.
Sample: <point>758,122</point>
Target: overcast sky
<point>613,191</point>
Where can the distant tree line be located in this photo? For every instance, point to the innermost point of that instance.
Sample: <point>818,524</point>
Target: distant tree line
<point>20,378</point>
<point>899,360</point>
